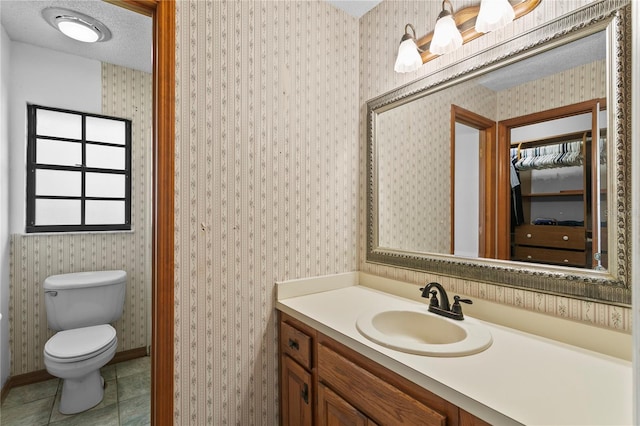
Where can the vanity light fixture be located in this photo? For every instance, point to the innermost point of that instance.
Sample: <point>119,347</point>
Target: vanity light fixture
<point>409,58</point>
<point>455,29</point>
<point>76,25</point>
<point>446,35</point>
<point>494,14</point>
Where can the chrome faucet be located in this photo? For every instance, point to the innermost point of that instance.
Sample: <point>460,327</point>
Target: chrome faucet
<point>442,307</point>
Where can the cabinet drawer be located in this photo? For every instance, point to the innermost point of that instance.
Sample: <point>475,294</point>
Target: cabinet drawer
<point>564,237</point>
<point>296,344</point>
<point>377,399</point>
<point>546,255</point>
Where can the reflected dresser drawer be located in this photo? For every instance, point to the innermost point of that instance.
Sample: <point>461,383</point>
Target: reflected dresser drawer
<point>562,237</point>
<point>550,255</point>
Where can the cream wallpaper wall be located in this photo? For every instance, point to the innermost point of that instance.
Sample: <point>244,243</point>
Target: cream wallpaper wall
<point>126,93</point>
<point>267,183</point>
<point>577,84</point>
<point>414,156</point>
<point>380,31</point>
<point>270,184</point>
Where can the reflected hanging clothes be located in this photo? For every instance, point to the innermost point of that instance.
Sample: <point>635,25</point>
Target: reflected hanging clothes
<point>517,213</point>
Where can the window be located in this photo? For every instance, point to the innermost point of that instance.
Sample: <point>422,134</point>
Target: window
<point>78,171</point>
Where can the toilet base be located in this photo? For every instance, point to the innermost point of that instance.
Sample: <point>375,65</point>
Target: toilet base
<point>82,384</point>
<point>81,394</point>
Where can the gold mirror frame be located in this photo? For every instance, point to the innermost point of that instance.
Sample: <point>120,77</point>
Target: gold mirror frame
<point>613,286</point>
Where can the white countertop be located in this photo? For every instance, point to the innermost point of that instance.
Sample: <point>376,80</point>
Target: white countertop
<point>519,379</point>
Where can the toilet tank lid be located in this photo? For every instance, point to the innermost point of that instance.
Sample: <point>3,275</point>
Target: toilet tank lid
<point>84,279</point>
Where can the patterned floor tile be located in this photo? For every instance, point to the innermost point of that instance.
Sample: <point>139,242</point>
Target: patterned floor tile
<point>35,413</point>
<point>105,416</point>
<point>28,393</point>
<point>126,400</point>
<point>134,366</point>
<point>136,411</point>
<point>133,386</point>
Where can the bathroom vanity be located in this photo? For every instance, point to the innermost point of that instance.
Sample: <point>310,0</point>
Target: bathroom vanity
<point>349,388</point>
<point>332,374</point>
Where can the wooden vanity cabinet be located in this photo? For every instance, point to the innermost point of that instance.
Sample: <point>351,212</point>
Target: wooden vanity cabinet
<point>296,376</point>
<point>325,383</point>
<point>335,411</point>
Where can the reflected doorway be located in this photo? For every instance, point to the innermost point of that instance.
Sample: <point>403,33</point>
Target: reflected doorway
<point>473,184</point>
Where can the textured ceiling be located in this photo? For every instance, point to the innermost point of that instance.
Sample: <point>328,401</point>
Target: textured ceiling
<point>567,56</point>
<point>132,32</point>
<point>355,8</point>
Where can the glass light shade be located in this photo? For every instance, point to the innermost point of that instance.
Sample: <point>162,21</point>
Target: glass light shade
<point>494,14</point>
<point>446,36</point>
<point>78,30</point>
<point>409,58</point>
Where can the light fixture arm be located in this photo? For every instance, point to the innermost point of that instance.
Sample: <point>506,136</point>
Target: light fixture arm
<point>446,12</point>
<point>408,36</point>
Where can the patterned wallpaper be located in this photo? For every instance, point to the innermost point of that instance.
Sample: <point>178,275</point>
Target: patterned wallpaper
<point>378,31</point>
<point>126,93</point>
<point>270,184</point>
<point>581,83</point>
<point>414,156</point>
<point>267,183</point>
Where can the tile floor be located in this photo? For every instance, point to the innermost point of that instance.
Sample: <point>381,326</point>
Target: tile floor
<point>126,400</point>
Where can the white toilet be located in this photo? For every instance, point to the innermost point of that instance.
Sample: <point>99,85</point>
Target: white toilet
<point>80,307</point>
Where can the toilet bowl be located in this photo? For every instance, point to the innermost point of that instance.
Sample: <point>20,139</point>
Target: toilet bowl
<point>80,307</point>
<point>76,356</point>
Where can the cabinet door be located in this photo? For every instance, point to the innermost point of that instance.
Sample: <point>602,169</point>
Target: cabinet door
<point>335,411</point>
<point>297,394</point>
<point>467,419</point>
<point>374,396</point>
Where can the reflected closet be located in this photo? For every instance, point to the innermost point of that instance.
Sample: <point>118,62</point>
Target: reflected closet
<point>558,186</point>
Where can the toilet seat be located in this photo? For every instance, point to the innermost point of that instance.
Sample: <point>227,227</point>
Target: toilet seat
<point>80,343</point>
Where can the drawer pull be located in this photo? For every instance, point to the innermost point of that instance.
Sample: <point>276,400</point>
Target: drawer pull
<point>565,237</point>
<point>529,257</point>
<point>566,261</point>
<point>528,235</point>
<point>294,345</point>
<point>305,393</point>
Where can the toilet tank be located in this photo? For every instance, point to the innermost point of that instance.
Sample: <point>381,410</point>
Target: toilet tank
<point>84,299</point>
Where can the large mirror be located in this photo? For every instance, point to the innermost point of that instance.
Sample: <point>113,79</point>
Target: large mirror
<point>489,170</point>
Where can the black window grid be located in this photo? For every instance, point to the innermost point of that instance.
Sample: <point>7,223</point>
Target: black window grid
<point>32,166</point>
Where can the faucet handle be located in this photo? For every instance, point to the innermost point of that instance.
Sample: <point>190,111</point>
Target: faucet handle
<point>434,299</point>
<point>456,308</point>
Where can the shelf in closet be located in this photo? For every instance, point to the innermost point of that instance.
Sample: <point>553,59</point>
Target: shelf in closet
<point>572,192</point>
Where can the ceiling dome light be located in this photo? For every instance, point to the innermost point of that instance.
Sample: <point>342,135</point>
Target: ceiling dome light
<point>76,25</point>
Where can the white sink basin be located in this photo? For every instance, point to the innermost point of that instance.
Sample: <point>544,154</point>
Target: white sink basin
<point>420,332</point>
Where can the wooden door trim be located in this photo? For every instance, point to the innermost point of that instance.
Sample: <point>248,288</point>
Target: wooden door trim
<point>487,128</point>
<point>162,13</point>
